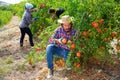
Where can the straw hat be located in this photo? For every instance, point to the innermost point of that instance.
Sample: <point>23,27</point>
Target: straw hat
<point>65,19</point>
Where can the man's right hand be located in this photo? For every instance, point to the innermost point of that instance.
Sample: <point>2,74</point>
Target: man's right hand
<point>61,40</point>
<point>57,41</point>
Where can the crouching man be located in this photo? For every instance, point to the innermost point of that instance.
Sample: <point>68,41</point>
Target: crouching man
<point>58,42</point>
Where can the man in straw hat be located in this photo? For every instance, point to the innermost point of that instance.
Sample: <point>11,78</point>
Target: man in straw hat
<point>58,42</point>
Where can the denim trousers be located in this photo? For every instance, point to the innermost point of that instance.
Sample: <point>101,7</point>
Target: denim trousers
<point>52,50</point>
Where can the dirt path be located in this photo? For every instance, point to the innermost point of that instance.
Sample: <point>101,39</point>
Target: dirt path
<point>12,57</point>
<point>9,40</point>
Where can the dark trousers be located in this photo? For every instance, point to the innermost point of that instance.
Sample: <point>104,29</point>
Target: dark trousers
<point>23,32</point>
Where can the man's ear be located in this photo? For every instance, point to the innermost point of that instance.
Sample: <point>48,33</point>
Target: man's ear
<point>62,25</point>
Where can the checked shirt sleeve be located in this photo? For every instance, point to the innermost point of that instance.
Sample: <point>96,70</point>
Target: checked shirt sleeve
<point>53,37</point>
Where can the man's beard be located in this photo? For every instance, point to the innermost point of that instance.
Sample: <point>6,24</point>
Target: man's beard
<point>68,30</point>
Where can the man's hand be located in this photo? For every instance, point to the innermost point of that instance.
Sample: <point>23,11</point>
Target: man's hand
<point>34,10</point>
<point>57,41</point>
<point>36,18</point>
<point>61,40</point>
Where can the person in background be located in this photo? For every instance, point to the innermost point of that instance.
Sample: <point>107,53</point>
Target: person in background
<point>55,14</point>
<point>58,42</point>
<point>26,21</point>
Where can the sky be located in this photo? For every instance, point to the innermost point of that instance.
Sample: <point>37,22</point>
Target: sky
<point>12,1</point>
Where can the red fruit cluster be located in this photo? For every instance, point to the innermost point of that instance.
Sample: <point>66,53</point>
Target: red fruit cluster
<point>95,25</point>
<point>99,30</point>
<point>38,49</point>
<point>84,33</point>
<point>78,54</point>
<point>113,34</point>
<point>73,46</point>
<point>78,65</point>
<point>101,21</point>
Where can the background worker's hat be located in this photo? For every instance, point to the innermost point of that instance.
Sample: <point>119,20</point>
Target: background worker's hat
<point>28,6</point>
<point>65,19</point>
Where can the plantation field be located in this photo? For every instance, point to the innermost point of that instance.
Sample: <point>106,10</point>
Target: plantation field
<point>12,58</point>
<point>94,50</point>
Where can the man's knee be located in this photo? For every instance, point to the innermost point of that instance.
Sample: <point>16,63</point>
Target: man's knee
<point>50,46</point>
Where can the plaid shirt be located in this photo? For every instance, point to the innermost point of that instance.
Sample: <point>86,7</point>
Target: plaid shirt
<point>60,33</point>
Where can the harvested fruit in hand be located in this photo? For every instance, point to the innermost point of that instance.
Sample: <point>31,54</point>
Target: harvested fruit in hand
<point>64,40</point>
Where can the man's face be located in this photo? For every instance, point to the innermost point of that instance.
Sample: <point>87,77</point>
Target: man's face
<point>32,10</point>
<point>66,27</point>
<point>52,15</point>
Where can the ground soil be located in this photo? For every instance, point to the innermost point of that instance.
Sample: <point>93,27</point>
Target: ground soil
<point>9,47</point>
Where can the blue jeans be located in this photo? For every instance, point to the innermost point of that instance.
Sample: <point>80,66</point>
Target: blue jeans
<point>52,50</point>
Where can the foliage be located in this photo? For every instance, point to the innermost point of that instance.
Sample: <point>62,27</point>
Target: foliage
<point>38,51</point>
<point>96,21</point>
<point>5,16</point>
<point>8,11</point>
<point>18,9</point>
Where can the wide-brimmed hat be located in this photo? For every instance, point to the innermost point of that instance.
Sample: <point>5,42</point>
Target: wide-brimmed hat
<point>66,19</point>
